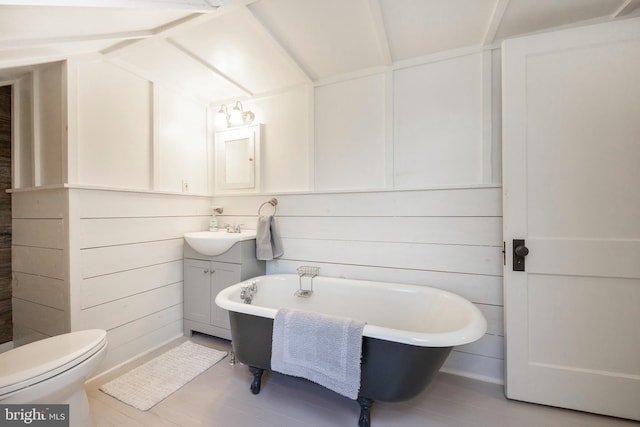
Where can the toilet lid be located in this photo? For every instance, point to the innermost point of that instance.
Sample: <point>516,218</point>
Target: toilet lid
<point>43,359</point>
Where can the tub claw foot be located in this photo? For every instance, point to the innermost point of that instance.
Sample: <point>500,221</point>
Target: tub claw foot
<point>257,379</point>
<point>365,411</point>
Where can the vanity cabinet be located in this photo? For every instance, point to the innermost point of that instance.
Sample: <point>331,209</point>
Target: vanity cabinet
<point>205,276</point>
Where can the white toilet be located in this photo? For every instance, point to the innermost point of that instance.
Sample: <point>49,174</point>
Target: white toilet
<point>53,371</point>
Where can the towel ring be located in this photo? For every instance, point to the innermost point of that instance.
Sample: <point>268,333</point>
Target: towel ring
<point>273,202</point>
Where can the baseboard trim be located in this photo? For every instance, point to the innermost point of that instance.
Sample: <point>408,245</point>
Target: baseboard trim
<point>472,376</point>
<point>6,346</point>
<point>136,357</point>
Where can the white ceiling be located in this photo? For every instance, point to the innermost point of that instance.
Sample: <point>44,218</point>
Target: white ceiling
<point>227,49</point>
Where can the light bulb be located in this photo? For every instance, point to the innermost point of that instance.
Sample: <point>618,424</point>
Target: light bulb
<point>235,118</point>
<point>221,119</point>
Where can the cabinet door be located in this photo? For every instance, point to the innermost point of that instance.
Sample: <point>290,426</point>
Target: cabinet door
<point>197,290</point>
<point>238,159</point>
<point>223,275</point>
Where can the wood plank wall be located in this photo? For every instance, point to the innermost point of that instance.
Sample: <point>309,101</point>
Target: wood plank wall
<point>126,265</point>
<point>39,267</point>
<point>446,238</point>
<point>6,325</point>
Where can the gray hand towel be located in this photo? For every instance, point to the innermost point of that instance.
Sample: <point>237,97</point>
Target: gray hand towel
<point>276,243</point>
<point>268,244</point>
<point>263,238</point>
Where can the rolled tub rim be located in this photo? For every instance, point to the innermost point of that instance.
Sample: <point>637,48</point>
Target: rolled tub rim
<point>475,328</point>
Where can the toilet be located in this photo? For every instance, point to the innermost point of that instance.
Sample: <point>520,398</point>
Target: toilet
<point>53,371</point>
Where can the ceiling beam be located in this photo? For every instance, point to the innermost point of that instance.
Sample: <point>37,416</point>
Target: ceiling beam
<point>495,21</point>
<point>177,26</point>
<point>381,33</point>
<point>211,68</point>
<point>115,37</point>
<point>195,5</point>
<point>271,39</point>
<point>626,8</point>
<point>160,32</point>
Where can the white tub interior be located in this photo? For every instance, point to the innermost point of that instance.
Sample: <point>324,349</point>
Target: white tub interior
<point>416,315</point>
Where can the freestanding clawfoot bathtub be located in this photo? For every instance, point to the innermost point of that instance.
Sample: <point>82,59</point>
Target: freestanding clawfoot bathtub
<point>409,333</point>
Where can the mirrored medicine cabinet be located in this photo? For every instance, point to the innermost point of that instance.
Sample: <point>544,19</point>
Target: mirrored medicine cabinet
<point>237,156</point>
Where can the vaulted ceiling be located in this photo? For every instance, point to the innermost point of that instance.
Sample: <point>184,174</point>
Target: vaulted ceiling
<point>226,49</point>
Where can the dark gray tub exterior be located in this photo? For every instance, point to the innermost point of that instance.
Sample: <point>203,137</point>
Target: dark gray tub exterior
<point>390,371</point>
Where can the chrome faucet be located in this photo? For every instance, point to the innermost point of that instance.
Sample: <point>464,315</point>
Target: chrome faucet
<point>248,291</point>
<point>233,229</point>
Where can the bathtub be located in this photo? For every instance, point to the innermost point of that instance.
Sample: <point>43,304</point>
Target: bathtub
<point>410,329</point>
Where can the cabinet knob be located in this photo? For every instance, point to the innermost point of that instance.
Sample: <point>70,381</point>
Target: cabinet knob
<point>206,271</point>
<point>212,271</point>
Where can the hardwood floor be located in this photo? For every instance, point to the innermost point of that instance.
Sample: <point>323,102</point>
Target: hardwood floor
<point>221,397</point>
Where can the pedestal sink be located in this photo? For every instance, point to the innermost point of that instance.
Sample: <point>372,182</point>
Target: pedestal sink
<point>214,243</point>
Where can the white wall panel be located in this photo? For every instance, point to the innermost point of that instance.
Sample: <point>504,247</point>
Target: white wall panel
<point>440,230</point>
<point>181,147</point>
<point>146,342</point>
<point>98,232</point>
<point>102,289</point>
<point>438,123</point>
<point>285,139</point>
<point>111,259</point>
<point>41,261</point>
<point>350,134</point>
<point>46,233</point>
<point>119,312</point>
<point>50,102</point>
<point>453,258</point>
<point>39,264</point>
<point>45,320</point>
<point>114,120</point>
<point>126,265</point>
<point>40,289</point>
<point>48,203</point>
<point>119,204</point>
<point>23,149</point>
<point>23,335</point>
<point>445,202</point>
<point>129,332</point>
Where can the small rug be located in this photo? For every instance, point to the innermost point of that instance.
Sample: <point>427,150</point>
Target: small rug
<point>148,384</point>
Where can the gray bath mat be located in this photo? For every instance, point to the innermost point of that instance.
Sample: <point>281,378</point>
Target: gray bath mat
<point>150,383</point>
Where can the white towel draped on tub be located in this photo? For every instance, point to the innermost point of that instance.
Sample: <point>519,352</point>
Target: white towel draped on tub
<point>321,348</point>
<point>268,245</point>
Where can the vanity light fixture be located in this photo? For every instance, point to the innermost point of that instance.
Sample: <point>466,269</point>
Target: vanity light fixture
<point>237,117</point>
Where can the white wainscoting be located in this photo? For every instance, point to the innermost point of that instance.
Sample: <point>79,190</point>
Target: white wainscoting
<point>126,265</point>
<point>445,238</point>
<point>39,266</point>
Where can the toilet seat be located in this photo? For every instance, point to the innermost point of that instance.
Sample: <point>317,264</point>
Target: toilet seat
<point>40,360</point>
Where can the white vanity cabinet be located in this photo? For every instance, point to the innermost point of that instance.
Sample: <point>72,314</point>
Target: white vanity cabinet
<point>205,276</point>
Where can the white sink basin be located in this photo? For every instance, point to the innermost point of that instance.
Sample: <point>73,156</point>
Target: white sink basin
<point>214,243</point>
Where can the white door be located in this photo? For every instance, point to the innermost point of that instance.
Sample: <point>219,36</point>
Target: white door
<point>571,153</point>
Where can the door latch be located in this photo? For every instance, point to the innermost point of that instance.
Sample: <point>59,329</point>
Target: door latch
<point>519,252</point>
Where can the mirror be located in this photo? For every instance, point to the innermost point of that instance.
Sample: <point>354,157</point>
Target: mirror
<point>237,159</point>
